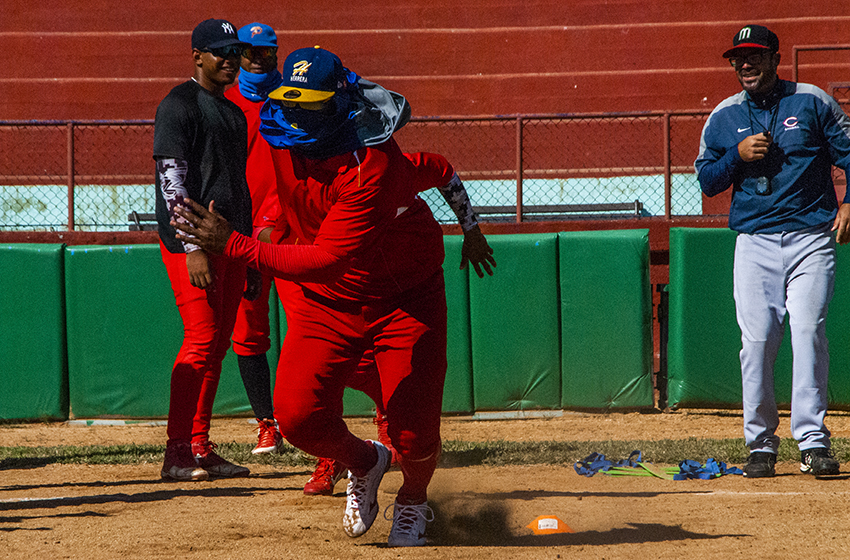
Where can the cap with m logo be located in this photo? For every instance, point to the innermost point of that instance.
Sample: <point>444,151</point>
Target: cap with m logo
<point>753,37</point>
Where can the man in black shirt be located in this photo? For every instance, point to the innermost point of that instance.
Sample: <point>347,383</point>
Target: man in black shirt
<point>200,148</point>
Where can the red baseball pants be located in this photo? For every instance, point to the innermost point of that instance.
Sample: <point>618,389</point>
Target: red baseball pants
<point>251,331</point>
<point>324,343</point>
<point>208,317</point>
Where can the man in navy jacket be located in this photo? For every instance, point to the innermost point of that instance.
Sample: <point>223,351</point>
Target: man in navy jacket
<point>775,144</point>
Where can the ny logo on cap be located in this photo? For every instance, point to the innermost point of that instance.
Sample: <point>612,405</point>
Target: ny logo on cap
<point>227,28</point>
<point>744,34</point>
<point>300,68</point>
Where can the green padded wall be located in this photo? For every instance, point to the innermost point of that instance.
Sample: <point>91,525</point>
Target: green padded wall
<point>356,403</point>
<point>33,364</point>
<point>457,394</point>
<point>837,332</point>
<point>704,339</point>
<point>515,326</point>
<point>606,319</point>
<point>124,332</point>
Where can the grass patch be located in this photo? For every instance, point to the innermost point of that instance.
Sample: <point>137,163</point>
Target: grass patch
<point>455,453</point>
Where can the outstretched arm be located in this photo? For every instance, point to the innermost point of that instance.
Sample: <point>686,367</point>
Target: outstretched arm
<point>477,251</point>
<point>300,263</point>
<point>475,248</point>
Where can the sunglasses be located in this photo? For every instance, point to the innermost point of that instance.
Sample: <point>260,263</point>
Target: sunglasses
<point>309,105</point>
<point>225,52</point>
<point>259,52</point>
<point>752,60</point>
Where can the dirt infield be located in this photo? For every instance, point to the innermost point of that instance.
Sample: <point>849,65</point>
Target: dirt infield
<point>100,512</point>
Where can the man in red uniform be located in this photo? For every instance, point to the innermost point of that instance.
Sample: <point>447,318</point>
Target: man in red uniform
<point>199,148</point>
<point>259,76</point>
<point>369,268</point>
<point>251,341</point>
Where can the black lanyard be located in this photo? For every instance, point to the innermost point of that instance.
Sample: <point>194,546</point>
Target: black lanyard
<point>774,113</point>
<point>764,185</point>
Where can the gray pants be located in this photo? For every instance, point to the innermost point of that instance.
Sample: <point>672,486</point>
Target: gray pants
<point>790,272</point>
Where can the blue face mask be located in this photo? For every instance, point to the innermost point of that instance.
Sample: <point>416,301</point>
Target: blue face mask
<point>314,134</point>
<point>256,87</point>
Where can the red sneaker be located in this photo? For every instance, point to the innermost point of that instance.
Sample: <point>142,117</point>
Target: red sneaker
<point>213,463</point>
<point>268,437</point>
<point>328,472</point>
<point>381,422</point>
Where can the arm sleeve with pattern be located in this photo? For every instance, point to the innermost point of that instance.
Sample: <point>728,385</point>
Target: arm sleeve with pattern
<point>172,179</point>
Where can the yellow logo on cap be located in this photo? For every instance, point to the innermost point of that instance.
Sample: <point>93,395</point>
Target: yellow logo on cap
<point>300,68</point>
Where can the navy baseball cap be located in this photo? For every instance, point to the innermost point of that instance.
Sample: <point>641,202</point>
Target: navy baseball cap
<point>310,75</point>
<point>215,33</point>
<point>753,37</point>
<point>258,35</point>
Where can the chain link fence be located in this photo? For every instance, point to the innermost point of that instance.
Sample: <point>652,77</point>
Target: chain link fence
<point>841,93</point>
<point>74,175</point>
<point>550,167</point>
<point>114,174</point>
<point>89,176</point>
<point>34,174</point>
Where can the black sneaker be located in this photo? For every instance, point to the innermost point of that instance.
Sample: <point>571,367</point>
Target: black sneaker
<point>818,461</point>
<point>760,464</point>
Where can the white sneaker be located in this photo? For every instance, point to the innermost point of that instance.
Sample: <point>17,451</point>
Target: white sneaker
<point>409,524</point>
<point>361,504</point>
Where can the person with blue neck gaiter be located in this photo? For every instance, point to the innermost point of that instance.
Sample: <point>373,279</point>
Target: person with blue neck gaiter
<point>367,272</point>
<point>259,62</point>
<point>258,76</point>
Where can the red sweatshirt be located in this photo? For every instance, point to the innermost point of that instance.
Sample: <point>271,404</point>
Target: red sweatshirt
<point>259,171</point>
<point>363,232</point>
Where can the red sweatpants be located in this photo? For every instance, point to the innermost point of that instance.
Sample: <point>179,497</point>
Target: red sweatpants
<point>208,317</point>
<point>364,378</point>
<point>324,343</point>
<point>251,331</point>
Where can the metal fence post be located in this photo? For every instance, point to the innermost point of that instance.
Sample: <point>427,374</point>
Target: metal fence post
<point>70,129</point>
<point>519,123</point>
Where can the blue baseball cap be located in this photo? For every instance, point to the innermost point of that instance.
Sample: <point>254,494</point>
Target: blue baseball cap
<point>310,75</point>
<point>258,35</point>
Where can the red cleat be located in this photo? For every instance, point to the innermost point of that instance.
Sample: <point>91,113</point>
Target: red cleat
<point>328,472</point>
<point>381,422</point>
<point>269,438</point>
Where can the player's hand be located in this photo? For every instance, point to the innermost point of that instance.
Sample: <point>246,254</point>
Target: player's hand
<point>198,265</point>
<point>265,235</point>
<point>253,284</point>
<point>754,148</point>
<point>205,228</point>
<point>477,251</point>
<point>841,225</point>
